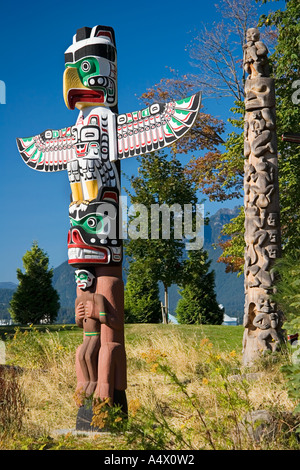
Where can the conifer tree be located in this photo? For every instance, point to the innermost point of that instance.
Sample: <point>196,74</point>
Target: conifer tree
<point>142,304</point>
<point>35,299</point>
<point>198,302</point>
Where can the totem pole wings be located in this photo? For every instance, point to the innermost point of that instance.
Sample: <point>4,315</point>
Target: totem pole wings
<point>49,151</point>
<point>89,149</point>
<point>136,133</point>
<point>155,127</point>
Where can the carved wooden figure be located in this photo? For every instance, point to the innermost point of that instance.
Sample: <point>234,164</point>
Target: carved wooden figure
<point>262,320</point>
<point>87,353</point>
<point>91,151</point>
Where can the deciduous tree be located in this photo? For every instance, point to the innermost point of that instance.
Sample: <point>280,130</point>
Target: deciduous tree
<point>161,183</point>
<point>217,53</point>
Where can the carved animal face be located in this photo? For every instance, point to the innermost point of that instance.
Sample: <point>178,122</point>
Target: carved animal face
<point>90,77</point>
<point>272,219</point>
<point>259,93</point>
<point>93,236</point>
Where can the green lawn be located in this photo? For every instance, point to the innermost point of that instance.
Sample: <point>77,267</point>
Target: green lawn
<point>225,338</point>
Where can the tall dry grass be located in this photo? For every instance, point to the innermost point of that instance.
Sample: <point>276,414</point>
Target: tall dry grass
<point>183,390</point>
<point>48,377</point>
<point>205,393</point>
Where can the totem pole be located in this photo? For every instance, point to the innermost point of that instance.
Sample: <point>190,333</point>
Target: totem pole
<point>91,151</point>
<point>262,320</point>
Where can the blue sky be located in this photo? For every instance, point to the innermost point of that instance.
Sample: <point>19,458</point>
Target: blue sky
<point>33,38</point>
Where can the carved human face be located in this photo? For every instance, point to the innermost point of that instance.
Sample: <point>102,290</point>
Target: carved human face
<point>273,236</point>
<point>272,251</point>
<point>84,279</point>
<point>272,219</point>
<point>252,34</point>
<point>264,305</point>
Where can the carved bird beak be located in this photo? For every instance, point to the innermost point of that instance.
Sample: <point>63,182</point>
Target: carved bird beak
<point>76,94</point>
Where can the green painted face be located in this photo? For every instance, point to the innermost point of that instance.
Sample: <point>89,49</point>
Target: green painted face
<point>83,278</point>
<point>86,69</point>
<point>92,223</point>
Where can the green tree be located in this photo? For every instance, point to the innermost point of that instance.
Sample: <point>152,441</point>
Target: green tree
<point>198,302</point>
<point>161,183</point>
<point>142,304</point>
<point>217,53</point>
<point>35,299</point>
<point>288,290</point>
<point>285,66</point>
<point>288,299</point>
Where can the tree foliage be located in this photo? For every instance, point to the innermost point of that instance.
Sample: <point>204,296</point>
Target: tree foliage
<point>35,299</point>
<point>198,304</point>
<point>161,183</point>
<point>217,53</point>
<point>288,290</point>
<point>288,299</point>
<point>285,66</point>
<point>142,304</point>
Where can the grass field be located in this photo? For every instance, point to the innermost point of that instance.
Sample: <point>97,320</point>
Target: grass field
<point>186,389</point>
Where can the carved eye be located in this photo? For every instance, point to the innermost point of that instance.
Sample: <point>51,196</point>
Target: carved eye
<point>92,222</point>
<point>85,66</point>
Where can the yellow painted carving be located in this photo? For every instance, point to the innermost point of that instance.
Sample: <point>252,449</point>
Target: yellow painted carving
<point>76,189</point>
<point>92,189</point>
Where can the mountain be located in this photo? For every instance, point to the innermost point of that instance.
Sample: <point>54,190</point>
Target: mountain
<point>64,282</point>
<point>5,297</point>
<point>229,287</point>
<point>8,285</point>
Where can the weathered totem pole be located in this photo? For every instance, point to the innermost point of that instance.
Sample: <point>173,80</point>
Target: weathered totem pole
<point>91,151</point>
<point>262,319</point>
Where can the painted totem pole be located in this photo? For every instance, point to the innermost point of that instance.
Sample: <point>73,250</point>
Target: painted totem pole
<point>91,151</point>
<point>262,320</point>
